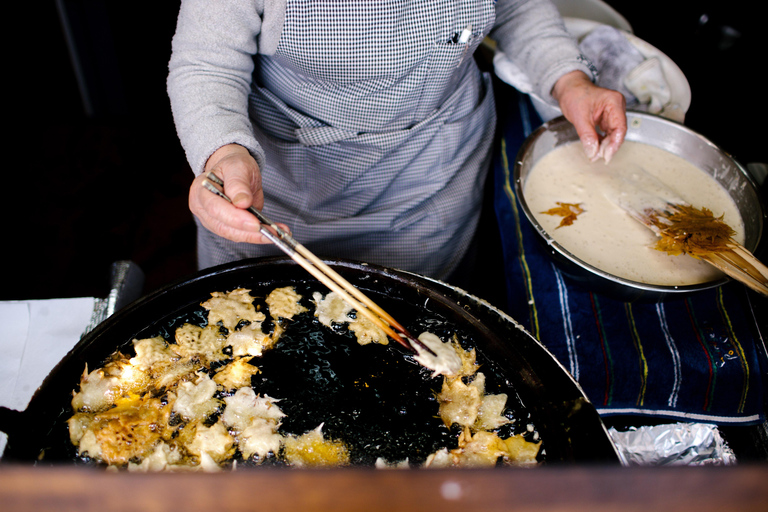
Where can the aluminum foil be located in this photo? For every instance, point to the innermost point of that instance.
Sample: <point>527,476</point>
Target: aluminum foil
<point>100,308</point>
<point>677,444</point>
<point>126,284</point>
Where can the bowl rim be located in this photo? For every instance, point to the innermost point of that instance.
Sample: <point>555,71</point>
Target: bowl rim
<point>531,140</point>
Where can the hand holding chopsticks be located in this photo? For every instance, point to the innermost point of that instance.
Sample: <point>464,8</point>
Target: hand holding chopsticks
<point>325,274</point>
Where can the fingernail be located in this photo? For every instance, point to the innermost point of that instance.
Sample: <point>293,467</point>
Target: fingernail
<point>590,148</point>
<point>603,150</point>
<point>240,198</point>
<point>598,154</point>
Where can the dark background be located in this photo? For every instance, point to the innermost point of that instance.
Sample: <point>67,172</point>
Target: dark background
<point>99,177</point>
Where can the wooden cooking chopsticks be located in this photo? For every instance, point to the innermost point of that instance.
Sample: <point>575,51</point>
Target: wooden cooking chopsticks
<point>325,274</point>
<point>641,197</point>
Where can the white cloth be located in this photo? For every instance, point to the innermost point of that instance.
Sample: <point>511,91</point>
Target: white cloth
<point>622,67</point>
<point>619,65</point>
<point>614,56</point>
<point>648,84</point>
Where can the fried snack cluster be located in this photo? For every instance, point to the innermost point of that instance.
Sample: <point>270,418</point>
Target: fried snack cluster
<point>187,404</point>
<point>464,402</point>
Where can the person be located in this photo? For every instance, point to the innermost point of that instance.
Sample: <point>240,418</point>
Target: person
<point>364,127</point>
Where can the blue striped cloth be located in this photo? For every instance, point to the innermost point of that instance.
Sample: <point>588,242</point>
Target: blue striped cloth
<point>692,359</point>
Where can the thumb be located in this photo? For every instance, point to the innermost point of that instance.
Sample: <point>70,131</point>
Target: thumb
<point>239,171</point>
<point>237,185</point>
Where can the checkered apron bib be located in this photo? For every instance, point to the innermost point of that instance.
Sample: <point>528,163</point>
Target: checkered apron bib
<point>377,127</point>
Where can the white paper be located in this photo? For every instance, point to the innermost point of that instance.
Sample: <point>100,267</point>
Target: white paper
<point>14,317</point>
<point>37,335</point>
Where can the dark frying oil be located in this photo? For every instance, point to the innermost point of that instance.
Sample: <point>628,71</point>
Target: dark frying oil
<point>380,403</point>
<point>376,399</point>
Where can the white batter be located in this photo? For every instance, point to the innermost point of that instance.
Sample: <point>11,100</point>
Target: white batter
<point>604,235</point>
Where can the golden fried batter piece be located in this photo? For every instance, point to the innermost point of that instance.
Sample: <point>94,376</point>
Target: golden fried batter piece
<point>367,332</point>
<point>153,354</point>
<point>332,309</point>
<point>194,400</point>
<point>486,449</point>
<point>254,421</point>
<point>128,431</point>
<point>313,450</point>
<point>206,343</point>
<point>214,441</point>
<point>236,374</point>
<point>249,340</point>
<point>101,388</point>
<point>230,308</point>
<point>459,402</point>
<point>284,303</point>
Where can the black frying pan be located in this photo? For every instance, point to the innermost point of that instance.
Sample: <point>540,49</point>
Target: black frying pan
<point>568,424</point>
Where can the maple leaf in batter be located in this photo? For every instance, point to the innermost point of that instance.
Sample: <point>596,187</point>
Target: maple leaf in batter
<point>568,211</point>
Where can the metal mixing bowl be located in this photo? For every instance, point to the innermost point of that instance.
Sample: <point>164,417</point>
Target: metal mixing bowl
<point>664,134</point>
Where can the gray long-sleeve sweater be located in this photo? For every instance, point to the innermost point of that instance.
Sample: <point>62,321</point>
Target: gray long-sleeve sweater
<point>211,66</point>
